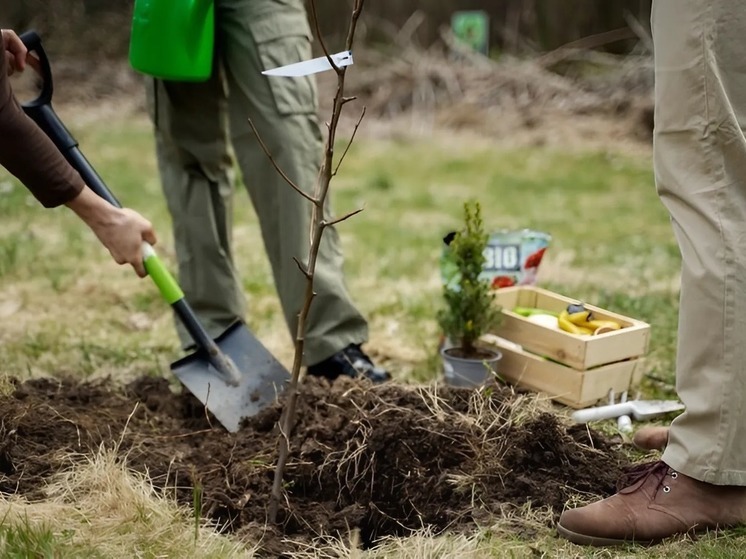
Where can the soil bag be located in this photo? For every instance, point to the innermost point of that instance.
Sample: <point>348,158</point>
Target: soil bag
<point>512,257</point>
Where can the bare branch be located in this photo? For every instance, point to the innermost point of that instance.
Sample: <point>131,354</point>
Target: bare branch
<point>356,11</point>
<point>324,48</point>
<point>352,139</point>
<point>266,151</point>
<point>318,224</point>
<point>302,268</point>
<point>341,219</point>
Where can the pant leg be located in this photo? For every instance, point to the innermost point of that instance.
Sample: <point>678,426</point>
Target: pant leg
<point>196,177</point>
<point>700,167</point>
<point>254,35</point>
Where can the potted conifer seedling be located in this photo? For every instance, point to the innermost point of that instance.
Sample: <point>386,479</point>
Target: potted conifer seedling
<point>469,310</point>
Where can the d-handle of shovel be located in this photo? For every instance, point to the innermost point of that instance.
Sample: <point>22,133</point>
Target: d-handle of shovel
<point>32,42</point>
<point>40,111</point>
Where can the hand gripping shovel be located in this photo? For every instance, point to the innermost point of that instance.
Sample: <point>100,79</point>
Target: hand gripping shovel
<point>234,376</point>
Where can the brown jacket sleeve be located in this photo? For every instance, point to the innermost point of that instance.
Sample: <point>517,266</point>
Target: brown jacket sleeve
<point>30,155</point>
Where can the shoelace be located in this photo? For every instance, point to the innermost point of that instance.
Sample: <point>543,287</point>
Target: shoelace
<point>639,473</point>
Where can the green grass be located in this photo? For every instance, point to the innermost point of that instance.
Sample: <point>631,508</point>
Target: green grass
<point>612,246</point>
<point>24,539</point>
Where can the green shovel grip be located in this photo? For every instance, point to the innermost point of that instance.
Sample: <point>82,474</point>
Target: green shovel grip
<point>160,275</point>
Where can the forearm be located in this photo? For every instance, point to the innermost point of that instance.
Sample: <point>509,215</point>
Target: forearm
<point>28,154</point>
<point>120,230</point>
<point>92,209</point>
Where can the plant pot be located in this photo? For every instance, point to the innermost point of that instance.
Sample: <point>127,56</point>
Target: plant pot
<point>469,372</point>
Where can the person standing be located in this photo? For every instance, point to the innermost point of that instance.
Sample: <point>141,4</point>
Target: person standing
<point>197,124</point>
<point>700,170</point>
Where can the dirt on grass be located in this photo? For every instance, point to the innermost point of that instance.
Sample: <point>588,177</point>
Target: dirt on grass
<point>384,460</point>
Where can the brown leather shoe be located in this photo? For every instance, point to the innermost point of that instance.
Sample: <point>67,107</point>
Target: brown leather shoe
<point>657,502</point>
<point>651,438</point>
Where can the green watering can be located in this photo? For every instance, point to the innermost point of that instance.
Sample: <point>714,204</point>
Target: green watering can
<point>173,39</point>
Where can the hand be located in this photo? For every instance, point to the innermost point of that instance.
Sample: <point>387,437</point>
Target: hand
<point>15,51</point>
<point>123,233</point>
<point>121,230</point>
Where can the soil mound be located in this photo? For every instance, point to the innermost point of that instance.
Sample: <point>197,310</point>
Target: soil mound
<point>381,459</point>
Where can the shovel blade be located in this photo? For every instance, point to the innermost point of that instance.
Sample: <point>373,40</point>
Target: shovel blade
<point>262,377</point>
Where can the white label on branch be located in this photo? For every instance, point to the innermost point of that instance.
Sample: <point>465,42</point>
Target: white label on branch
<point>313,66</point>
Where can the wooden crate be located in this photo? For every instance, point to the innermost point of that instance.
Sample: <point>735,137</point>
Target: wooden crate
<point>579,352</point>
<point>577,389</point>
<point>575,370</point>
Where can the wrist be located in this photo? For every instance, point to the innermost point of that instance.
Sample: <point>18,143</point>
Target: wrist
<point>91,208</point>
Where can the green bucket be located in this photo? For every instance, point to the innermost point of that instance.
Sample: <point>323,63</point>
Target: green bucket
<point>173,39</point>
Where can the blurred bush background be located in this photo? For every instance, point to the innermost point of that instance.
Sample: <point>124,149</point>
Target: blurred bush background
<point>100,28</point>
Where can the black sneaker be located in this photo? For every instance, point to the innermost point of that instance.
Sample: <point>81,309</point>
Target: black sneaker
<point>351,362</point>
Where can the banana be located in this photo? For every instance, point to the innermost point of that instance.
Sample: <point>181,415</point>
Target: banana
<point>583,318</point>
<point>606,324</point>
<point>579,318</point>
<point>564,322</point>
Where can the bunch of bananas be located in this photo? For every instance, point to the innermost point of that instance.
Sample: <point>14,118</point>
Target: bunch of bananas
<point>576,319</point>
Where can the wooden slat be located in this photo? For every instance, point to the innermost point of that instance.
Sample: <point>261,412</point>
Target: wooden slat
<point>564,384</point>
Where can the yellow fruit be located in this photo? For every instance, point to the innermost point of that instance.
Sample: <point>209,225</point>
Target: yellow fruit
<point>582,322</point>
<point>565,324</point>
<point>583,318</point>
<point>610,324</point>
<point>579,318</point>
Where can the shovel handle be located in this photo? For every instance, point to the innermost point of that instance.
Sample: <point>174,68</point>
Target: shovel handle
<point>174,296</point>
<point>32,42</point>
<point>41,112</point>
<point>160,275</point>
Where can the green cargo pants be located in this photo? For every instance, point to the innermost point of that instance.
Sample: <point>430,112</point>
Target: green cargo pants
<point>700,168</point>
<point>194,123</point>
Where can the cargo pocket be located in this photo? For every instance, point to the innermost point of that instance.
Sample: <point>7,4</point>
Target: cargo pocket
<point>281,40</point>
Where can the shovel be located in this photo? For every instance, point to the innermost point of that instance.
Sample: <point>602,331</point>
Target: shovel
<point>234,376</point>
<point>639,409</point>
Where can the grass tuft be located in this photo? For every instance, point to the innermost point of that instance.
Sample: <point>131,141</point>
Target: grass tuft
<point>100,508</point>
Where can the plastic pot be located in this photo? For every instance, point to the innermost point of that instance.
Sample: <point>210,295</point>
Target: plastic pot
<point>469,373</point>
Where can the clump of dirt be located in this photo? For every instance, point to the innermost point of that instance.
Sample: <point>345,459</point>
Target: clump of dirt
<point>383,459</point>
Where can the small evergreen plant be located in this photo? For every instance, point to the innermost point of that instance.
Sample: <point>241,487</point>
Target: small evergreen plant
<point>470,310</point>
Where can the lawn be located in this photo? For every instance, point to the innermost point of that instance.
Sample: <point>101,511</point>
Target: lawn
<point>68,310</point>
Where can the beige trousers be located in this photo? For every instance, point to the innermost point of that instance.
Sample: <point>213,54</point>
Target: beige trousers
<point>700,169</point>
<point>196,123</point>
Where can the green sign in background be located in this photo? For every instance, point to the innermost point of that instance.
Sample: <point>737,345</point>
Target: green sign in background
<point>472,28</point>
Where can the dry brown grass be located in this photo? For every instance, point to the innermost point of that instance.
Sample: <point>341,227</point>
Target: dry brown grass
<point>116,513</point>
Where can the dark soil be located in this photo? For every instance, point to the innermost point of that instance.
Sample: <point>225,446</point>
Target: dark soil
<point>385,459</point>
